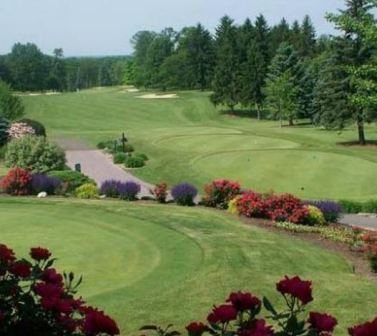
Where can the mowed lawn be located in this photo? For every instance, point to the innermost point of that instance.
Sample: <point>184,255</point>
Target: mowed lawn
<point>188,139</point>
<point>147,263</point>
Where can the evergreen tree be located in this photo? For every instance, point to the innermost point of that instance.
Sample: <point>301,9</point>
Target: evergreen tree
<point>279,34</point>
<point>11,107</point>
<point>227,70</point>
<point>307,38</point>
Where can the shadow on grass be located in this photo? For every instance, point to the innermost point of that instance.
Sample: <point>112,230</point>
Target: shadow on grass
<point>370,143</point>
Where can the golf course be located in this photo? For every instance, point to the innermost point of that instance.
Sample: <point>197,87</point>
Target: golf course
<point>188,139</point>
<point>146,263</point>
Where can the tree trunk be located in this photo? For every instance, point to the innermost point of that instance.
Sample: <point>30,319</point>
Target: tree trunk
<point>290,122</point>
<point>258,111</point>
<point>360,128</point>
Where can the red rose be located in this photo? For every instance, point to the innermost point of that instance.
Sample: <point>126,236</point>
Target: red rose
<point>259,328</point>
<point>366,329</point>
<point>297,288</point>
<point>196,328</point>
<point>223,314</point>
<point>39,253</point>
<point>97,323</point>
<point>6,255</point>
<point>322,322</point>
<point>51,276</point>
<point>20,269</point>
<point>47,290</point>
<point>244,301</point>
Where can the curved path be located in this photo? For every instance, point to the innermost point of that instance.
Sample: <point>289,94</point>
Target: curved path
<point>368,222</point>
<point>97,165</point>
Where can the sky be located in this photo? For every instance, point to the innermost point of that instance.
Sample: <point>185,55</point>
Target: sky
<point>105,27</point>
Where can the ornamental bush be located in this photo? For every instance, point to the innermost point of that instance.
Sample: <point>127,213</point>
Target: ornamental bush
<point>70,179</point>
<point>35,154</point>
<point>331,210</point>
<point>134,162</point>
<point>141,156</point>
<point>42,182</point>
<point>184,194</point>
<point>4,125</point>
<point>128,191</point>
<point>160,192</point>
<point>119,158</point>
<point>241,315</point>
<point>315,216</point>
<point>219,192</point>
<point>37,300</point>
<point>111,188</point>
<point>87,191</point>
<point>18,130</point>
<point>38,127</point>
<point>17,182</point>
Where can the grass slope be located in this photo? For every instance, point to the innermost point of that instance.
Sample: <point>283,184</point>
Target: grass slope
<point>188,139</point>
<point>146,263</point>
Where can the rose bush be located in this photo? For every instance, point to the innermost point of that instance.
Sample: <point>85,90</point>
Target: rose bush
<point>219,192</point>
<point>241,316</point>
<point>17,182</point>
<point>38,301</point>
<point>160,192</point>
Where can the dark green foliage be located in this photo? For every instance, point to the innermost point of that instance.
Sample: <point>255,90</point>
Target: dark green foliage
<point>71,179</point>
<point>4,125</point>
<point>134,162</point>
<point>369,206</point>
<point>373,262</point>
<point>38,127</point>
<point>11,106</point>
<point>142,156</point>
<point>119,158</point>
<point>227,70</point>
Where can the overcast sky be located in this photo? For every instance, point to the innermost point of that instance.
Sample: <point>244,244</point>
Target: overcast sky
<point>105,27</point>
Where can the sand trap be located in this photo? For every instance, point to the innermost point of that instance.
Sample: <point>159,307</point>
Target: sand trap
<point>133,90</point>
<point>159,96</point>
<point>34,94</point>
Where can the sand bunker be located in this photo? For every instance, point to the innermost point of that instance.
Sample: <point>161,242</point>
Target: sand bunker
<point>34,94</point>
<point>159,96</point>
<point>133,90</point>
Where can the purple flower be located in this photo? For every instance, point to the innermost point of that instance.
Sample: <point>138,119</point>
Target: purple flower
<point>110,188</point>
<point>118,189</point>
<point>330,209</point>
<point>184,194</point>
<point>41,182</point>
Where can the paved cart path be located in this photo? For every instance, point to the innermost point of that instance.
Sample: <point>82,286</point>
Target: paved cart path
<point>97,165</point>
<point>368,222</point>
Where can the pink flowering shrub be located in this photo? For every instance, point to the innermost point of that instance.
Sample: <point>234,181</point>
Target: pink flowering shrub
<point>220,192</point>
<point>240,315</point>
<point>37,300</point>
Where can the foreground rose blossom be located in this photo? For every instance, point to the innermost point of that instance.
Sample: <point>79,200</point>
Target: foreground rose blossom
<point>223,314</point>
<point>7,255</point>
<point>51,276</point>
<point>20,269</point>
<point>97,323</point>
<point>39,253</point>
<point>297,288</point>
<point>366,329</point>
<point>196,328</point>
<point>244,301</point>
<point>322,322</point>
<point>259,328</point>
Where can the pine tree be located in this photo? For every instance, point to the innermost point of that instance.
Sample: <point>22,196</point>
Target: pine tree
<point>279,34</point>
<point>307,41</point>
<point>227,70</point>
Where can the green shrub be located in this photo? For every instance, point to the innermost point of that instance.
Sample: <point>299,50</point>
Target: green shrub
<point>128,148</point>
<point>87,191</point>
<point>142,156</point>
<point>370,206</point>
<point>71,179</point>
<point>356,207</point>
<point>34,154</point>
<point>4,125</point>
<point>38,128</point>
<point>315,216</point>
<point>134,162</point>
<point>119,158</point>
<point>373,263</point>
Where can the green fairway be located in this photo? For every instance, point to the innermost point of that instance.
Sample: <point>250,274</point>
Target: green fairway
<point>147,263</point>
<point>188,139</point>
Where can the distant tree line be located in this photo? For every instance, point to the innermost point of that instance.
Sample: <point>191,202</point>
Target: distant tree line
<point>284,71</point>
<point>26,68</point>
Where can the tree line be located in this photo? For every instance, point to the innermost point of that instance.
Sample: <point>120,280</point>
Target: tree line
<point>26,68</point>
<point>285,71</point>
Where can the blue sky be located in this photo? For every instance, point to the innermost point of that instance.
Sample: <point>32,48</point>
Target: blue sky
<point>105,27</point>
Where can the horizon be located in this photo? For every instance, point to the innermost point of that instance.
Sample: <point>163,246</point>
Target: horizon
<point>99,29</point>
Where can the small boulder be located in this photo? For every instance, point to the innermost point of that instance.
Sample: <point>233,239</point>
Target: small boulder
<point>42,194</point>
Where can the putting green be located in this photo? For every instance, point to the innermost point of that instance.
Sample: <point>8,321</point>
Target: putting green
<point>148,263</point>
<point>222,142</point>
<point>297,171</point>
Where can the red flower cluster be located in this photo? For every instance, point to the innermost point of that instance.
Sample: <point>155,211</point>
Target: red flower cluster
<point>160,192</point>
<point>296,288</point>
<point>223,314</point>
<point>40,254</point>
<point>366,329</point>
<point>258,328</point>
<point>45,301</point>
<point>17,182</point>
<point>220,192</point>
<point>322,323</point>
<point>244,301</point>
<point>284,207</point>
<point>196,328</point>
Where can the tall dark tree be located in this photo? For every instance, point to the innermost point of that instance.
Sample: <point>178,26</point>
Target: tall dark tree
<point>279,34</point>
<point>11,107</point>
<point>227,71</point>
<point>358,25</point>
<point>307,41</point>
<point>57,76</point>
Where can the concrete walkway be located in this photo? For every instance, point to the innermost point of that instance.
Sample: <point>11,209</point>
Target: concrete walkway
<point>368,222</point>
<point>99,167</point>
